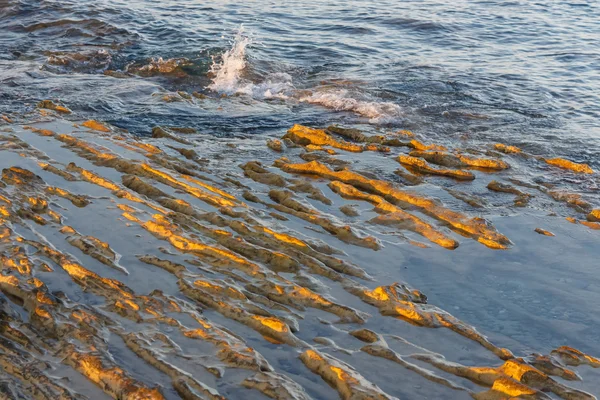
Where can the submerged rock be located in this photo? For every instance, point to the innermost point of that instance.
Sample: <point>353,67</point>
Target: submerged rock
<point>349,383</point>
<point>570,165</point>
<point>159,66</point>
<point>349,210</point>
<point>50,105</point>
<point>95,125</point>
<point>141,214</point>
<point>507,149</point>
<point>594,216</point>
<point>544,232</point>
<point>422,167</point>
<point>275,145</point>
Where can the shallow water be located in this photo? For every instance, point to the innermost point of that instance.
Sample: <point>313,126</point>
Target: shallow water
<point>465,75</point>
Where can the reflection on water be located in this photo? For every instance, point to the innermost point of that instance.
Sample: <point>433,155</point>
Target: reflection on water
<point>230,249</point>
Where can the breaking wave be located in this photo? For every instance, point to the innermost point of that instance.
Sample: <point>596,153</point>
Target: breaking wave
<point>228,74</point>
<point>228,78</point>
<point>228,71</point>
<point>340,100</point>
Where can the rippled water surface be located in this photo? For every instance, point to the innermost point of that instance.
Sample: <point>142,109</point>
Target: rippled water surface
<point>461,74</point>
<point>523,71</point>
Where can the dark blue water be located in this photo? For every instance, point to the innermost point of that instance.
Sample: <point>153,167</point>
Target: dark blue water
<point>523,72</point>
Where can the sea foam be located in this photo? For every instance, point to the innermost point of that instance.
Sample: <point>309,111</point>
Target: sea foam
<point>228,78</point>
<point>228,74</point>
<point>341,100</point>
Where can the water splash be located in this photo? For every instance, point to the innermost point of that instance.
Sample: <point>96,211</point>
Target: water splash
<point>341,100</point>
<point>275,86</point>
<point>228,72</point>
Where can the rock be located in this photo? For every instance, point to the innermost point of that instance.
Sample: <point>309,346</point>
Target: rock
<point>349,210</point>
<point>544,232</point>
<point>95,125</point>
<point>50,105</point>
<point>275,145</point>
<point>570,165</point>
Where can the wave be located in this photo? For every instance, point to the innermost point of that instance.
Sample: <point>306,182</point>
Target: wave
<point>340,100</point>
<point>228,74</point>
<point>228,71</point>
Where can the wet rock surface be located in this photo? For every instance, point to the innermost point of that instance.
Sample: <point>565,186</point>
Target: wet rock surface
<point>134,269</point>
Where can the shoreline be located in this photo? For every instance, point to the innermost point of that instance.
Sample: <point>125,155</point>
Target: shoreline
<point>221,272</point>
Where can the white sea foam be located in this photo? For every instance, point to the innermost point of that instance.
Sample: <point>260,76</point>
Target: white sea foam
<point>275,86</point>
<point>341,100</point>
<point>228,79</point>
<point>228,74</point>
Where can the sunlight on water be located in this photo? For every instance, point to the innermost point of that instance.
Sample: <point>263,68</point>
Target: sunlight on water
<point>299,201</point>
